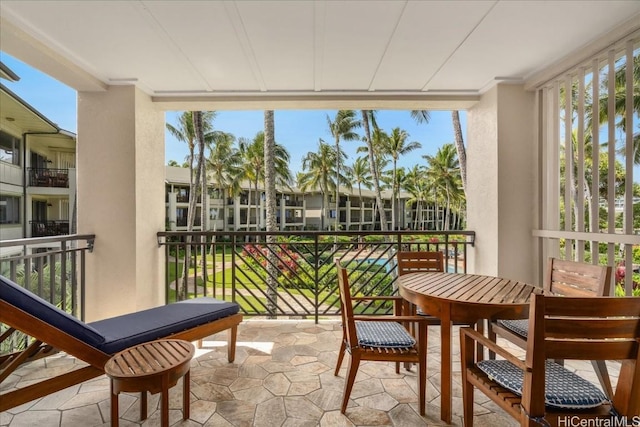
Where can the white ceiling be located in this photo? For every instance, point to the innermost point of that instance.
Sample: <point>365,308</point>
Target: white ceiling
<point>285,48</point>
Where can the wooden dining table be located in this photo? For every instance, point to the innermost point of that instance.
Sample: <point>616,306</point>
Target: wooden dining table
<point>463,299</point>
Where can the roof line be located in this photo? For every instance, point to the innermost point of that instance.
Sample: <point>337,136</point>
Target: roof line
<point>29,107</point>
<point>10,74</point>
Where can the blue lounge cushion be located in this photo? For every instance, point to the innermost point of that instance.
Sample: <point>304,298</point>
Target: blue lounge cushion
<point>131,329</point>
<point>29,302</point>
<point>117,333</point>
<point>563,388</point>
<point>520,326</point>
<point>383,335</point>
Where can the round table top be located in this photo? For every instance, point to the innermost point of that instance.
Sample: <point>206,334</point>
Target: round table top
<point>150,358</point>
<point>471,296</point>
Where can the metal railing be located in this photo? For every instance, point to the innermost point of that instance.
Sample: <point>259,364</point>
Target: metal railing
<point>49,228</point>
<point>42,177</point>
<point>50,267</point>
<point>294,273</point>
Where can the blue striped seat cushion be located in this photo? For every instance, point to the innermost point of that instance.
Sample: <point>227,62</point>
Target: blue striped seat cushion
<point>520,326</point>
<point>563,388</point>
<point>383,334</point>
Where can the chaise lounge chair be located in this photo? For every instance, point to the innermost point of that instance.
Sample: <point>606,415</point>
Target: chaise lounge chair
<point>94,343</point>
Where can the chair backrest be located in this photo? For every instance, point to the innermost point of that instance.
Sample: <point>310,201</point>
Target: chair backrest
<point>578,279</point>
<point>346,311</point>
<point>417,261</point>
<point>575,328</point>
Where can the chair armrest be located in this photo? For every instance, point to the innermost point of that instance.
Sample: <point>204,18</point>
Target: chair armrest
<point>492,346</point>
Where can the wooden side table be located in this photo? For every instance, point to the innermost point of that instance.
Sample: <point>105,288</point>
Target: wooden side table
<point>154,366</point>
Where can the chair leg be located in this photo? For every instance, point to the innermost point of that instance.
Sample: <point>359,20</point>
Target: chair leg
<point>343,348</point>
<point>467,403</point>
<point>492,336</point>
<point>352,370</point>
<point>603,376</point>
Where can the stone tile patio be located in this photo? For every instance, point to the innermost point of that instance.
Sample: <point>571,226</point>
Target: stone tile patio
<point>282,376</point>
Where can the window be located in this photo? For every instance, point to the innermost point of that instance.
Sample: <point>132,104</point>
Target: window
<point>9,210</point>
<point>9,148</point>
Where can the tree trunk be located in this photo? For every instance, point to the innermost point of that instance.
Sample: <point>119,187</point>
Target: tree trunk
<point>203,214</point>
<point>361,208</point>
<point>394,225</point>
<point>374,172</point>
<point>462,153</point>
<point>270,198</point>
<point>193,198</point>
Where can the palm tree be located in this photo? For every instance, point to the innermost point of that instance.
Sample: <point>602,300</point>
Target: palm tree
<point>342,127</point>
<point>193,127</point>
<point>319,173</point>
<point>396,145</point>
<point>444,169</point>
<point>415,185</point>
<point>224,162</point>
<point>360,174</point>
<point>422,116</point>
<point>270,199</point>
<point>253,156</point>
<point>368,116</point>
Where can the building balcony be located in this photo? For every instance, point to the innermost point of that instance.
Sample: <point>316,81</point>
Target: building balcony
<point>49,228</point>
<point>282,375</point>
<point>39,177</point>
<point>283,370</point>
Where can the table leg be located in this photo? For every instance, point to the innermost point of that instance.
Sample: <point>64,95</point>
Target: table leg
<point>185,395</point>
<point>445,369</point>
<point>143,405</point>
<point>164,405</point>
<point>115,415</point>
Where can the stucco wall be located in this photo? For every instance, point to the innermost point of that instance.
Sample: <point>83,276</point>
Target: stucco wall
<point>501,182</point>
<point>121,199</point>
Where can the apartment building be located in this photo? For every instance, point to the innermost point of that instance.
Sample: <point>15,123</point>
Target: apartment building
<point>295,209</point>
<point>37,170</point>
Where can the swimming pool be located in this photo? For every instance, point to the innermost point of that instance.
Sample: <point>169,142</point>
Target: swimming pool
<point>390,264</point>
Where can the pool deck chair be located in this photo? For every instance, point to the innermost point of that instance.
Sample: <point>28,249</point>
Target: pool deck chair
<point>94,343</point>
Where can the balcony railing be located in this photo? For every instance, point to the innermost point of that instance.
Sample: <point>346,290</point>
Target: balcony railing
<point>294,274</point>
<point>49,228</point>
<point>41,177</point>
<point>51,267</point>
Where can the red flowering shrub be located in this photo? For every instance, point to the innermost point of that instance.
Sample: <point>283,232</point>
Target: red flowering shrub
<point>286,259</point>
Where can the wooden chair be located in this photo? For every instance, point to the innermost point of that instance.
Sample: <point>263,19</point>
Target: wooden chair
<point>420,261</point>
<point>94,343</point>
<point>566,278</point>
<point>379,338</point>
<point>536,391</point>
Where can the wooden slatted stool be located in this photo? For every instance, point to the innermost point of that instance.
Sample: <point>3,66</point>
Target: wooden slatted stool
<point>152,367</point>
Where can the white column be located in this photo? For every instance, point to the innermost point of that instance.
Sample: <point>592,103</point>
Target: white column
<point>501,178</point>
<point>172,214</point>
<point>121,199</point>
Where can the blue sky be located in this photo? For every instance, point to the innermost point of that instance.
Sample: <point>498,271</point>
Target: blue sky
<point>298,131</point>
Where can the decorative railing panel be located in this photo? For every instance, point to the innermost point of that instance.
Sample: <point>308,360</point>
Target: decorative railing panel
<point>293,274</point>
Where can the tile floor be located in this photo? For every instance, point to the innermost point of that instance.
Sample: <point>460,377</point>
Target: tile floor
<point>282,376</point>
